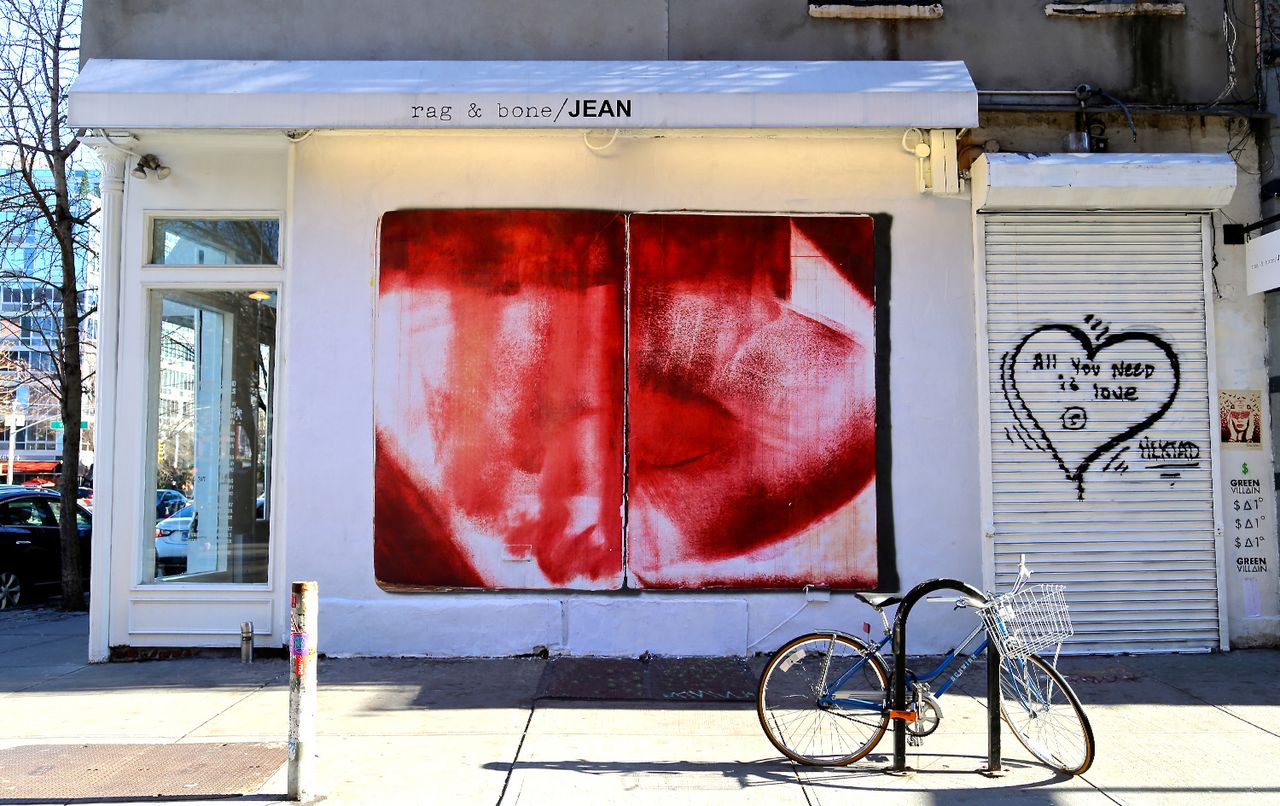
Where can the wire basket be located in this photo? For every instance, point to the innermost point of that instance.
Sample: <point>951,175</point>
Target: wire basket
<point>1028,620</point>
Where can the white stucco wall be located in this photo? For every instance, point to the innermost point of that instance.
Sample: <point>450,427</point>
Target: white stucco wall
<point>1240,333</point>
<point>344,183</point>
<point>332,188</point>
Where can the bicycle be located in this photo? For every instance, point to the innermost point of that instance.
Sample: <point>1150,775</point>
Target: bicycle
<point>816,722</point>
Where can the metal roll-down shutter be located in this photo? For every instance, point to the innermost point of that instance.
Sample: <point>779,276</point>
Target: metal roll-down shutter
<point>1101,449</point>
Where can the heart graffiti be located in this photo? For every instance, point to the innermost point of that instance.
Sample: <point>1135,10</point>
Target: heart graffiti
<point>1078,398</point>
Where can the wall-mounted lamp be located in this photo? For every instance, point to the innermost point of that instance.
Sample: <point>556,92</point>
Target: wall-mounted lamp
<point>260,296</point>
<point>149,162</point>
<point>937,165</point>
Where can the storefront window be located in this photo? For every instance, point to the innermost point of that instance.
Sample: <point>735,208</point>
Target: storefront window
<point>215,241</point>
<point>211,409</point>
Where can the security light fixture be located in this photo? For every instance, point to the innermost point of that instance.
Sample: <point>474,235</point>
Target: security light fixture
<point>149,162</point>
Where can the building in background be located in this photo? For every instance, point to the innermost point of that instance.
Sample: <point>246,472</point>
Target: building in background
<point>30,339</point>
<point>618,329</point>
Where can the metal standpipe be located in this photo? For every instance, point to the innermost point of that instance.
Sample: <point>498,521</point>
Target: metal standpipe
<point>303,613</point>
<point>899,694</point>
<point>246,642</point>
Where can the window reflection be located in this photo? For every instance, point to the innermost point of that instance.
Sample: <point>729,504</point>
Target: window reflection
<point>212,370</point>
<point>215,241</point>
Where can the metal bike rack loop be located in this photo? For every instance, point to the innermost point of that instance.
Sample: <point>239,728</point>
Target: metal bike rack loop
<point>900,674</point>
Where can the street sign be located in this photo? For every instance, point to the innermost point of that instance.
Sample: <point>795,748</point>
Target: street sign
<point>56,425</point>
<point>15,420</point>
<point>1262,259</point>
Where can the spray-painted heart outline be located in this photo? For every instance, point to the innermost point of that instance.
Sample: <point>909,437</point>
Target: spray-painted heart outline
<point>1091,350</point>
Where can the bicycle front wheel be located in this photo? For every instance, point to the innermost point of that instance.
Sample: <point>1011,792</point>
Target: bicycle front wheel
<point>822,699</point>
<point>1045,714</point>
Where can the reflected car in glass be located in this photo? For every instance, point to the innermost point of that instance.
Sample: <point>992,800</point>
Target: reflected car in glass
<point>30,545</point>
<point>172,535</point>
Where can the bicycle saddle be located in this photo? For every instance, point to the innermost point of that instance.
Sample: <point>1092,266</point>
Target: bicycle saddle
<point>879,600</point>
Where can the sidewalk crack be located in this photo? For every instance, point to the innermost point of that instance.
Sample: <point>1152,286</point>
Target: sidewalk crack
<point>515,759</point>
<point>1220,708</point>
<point>1101,791</point>
<point>42,682</point>
<point>810,797</point>
<point>247,695</point>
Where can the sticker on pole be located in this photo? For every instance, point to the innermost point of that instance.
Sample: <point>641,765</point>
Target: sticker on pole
<point>298,645</point>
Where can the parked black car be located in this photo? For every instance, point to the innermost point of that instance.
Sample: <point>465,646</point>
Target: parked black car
<point>30,555</point>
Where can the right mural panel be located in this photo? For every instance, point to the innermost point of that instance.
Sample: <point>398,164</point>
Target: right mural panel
<point>751,401</point>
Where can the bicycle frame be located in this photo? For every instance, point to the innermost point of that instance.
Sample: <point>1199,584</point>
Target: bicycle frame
<point>828,695</point>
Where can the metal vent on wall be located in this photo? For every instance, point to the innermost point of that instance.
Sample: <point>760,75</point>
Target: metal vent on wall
<point>1101,468</point>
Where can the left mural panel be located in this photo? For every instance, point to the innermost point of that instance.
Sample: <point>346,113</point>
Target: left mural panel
<point>498,389</point>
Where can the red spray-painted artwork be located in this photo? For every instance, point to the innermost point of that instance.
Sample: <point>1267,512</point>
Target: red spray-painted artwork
<point>499,400</point>
<point>751,401</point>
<point>747,400</point>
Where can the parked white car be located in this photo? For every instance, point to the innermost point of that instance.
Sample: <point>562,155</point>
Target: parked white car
<point>172,535</point>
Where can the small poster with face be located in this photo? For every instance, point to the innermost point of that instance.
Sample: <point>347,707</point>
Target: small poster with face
<point>1240,417</point>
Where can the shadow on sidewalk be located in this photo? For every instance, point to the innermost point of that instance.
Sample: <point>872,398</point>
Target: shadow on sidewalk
<point>869,774</point>
<point>43,650</point>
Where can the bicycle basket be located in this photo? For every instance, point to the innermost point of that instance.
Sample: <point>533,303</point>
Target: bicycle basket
<point>1028,620</point>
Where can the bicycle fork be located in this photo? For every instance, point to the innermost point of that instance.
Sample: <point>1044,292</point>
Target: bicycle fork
<point>1029,693</point>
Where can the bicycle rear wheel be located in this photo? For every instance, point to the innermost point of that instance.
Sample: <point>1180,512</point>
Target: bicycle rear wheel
<point>806,699</point>
<point>1045,714</point>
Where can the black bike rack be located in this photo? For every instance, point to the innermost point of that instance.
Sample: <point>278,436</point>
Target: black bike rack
<point>900,674</point>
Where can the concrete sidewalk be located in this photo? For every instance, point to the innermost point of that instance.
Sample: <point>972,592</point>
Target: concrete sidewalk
<point>1170,729</point>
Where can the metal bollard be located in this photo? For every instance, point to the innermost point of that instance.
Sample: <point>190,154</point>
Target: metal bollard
<point>246,642</point>
<point>303,613</point>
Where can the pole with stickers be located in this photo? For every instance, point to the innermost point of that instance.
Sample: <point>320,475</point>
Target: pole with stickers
<point>303,613</point>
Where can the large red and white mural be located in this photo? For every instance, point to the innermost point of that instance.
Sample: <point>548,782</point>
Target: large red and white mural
<point>554,386</point>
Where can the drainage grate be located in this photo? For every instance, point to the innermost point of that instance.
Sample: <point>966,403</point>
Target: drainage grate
<point>69,771</point>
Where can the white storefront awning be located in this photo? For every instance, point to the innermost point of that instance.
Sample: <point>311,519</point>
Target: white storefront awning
<point>196,94</point>
<point>1013,181</point>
